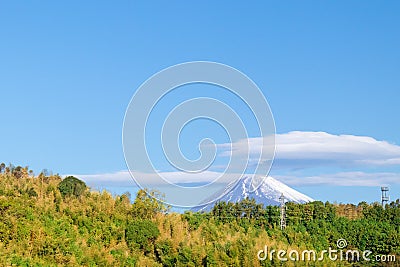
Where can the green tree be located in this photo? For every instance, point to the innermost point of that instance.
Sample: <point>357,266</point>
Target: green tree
<point>71,186</point>
<point>141,234</point>
<point>147,204</point>
<point>17,172</point>
<point>164,253</point>
<point>2,167</point>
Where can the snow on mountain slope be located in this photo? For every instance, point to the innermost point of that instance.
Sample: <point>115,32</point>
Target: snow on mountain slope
<point>267,193</point>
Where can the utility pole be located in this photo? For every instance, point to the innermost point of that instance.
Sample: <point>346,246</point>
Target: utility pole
<point>283,211</point>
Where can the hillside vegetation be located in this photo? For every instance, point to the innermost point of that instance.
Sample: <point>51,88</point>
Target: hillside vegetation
<point>47,221</point>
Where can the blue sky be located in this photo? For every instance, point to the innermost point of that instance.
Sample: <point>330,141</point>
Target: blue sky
<point>68,71</point>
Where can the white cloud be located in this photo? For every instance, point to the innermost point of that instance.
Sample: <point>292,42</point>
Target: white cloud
<point>302,149</point>
<point>359,178</point>
<point>343,179</point>
<point>120,178</point>
<point>123,178</point>
<point>295,150</point>
<point>321,145</point>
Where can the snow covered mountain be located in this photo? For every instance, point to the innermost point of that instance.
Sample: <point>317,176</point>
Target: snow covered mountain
<point>267,193</point>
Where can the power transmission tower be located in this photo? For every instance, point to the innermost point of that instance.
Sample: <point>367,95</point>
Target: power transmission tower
<point>283,211</point>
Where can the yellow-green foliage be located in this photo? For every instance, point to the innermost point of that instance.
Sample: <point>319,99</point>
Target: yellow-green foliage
<point>39,227</point>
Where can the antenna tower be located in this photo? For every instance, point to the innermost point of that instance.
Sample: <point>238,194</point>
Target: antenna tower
<point>385,195</point>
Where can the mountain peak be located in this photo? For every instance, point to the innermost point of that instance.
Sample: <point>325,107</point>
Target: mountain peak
<point>265,190</point>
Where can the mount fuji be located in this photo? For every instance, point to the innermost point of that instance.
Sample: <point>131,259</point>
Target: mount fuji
<point>266,191</point>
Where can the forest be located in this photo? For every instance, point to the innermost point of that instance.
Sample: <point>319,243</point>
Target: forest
<point>50,221</point>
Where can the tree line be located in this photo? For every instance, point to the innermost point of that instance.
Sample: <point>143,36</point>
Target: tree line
<point>49,221</point>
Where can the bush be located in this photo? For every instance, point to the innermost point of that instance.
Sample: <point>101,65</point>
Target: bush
<point>71,186</point>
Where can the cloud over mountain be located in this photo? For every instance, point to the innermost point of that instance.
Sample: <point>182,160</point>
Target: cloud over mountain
<point>340,160</point>
<point>315,149</point>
